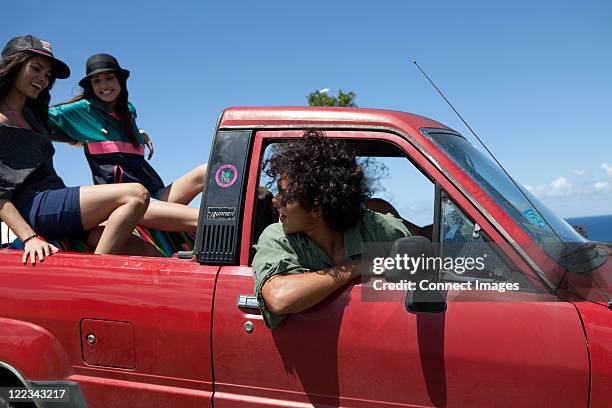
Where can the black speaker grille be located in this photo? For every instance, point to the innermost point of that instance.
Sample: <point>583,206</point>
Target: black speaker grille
<point>218,243</point>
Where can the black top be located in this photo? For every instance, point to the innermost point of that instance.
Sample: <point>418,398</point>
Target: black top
<point>26,164</point>
<point>123,168</point>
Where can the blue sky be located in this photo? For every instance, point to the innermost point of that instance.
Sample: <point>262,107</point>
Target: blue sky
<point>533,78</point>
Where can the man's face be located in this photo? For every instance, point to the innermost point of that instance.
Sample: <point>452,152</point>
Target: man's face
<point>292,215</point>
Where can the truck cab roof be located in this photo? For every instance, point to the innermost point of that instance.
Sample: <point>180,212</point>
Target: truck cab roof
<point>290,116</point>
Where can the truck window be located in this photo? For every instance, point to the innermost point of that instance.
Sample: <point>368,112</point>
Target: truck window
<point>396,186</point>
<point>548,230</point>
<point>460,237</point>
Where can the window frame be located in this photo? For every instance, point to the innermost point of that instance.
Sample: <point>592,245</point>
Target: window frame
<point>517,276</point>
<point>416,154</point>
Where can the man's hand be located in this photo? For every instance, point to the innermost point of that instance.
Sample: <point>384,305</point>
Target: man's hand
<point>37,247</point>
<point>148,142</point>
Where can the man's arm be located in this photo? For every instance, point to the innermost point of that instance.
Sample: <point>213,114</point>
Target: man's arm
<point>295,293</point>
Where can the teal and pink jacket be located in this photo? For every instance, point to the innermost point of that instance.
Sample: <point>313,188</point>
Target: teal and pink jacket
<point>111,155</point>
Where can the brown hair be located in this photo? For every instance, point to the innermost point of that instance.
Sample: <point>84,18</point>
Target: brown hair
<point>9,69</point>
<point>323,175</point>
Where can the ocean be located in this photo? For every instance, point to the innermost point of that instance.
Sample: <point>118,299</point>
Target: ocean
<point>599,228</point>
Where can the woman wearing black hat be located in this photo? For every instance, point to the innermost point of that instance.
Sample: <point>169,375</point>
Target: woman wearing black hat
<point>33,199</point>
<point>103,120</point>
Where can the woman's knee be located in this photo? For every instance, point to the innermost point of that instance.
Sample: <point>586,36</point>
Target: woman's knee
<point>97,203</point>
<point>138,195</point>
<point>201,175</point>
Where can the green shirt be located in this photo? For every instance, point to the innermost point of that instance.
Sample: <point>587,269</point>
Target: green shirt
<point>281,254</point>
<point>89,121</point>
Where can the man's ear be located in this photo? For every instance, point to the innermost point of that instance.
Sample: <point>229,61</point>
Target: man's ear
<point>317,213</point>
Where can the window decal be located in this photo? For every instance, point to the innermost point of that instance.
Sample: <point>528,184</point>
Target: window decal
<point>226,175</point>
<point>535,218</point>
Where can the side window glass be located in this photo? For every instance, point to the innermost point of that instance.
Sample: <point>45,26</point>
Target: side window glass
<point>462,240</point>
<point>396,185</point>
<point>264,180</point>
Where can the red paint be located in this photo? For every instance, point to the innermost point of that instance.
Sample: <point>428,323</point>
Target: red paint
<point>168,301</point>
<point>112,344</point>
<point>599,336</point>
<point>346,352</point>
<point>159,339</point>
<point>251,188</point>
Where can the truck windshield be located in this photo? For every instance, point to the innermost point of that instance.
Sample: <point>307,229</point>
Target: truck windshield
<point>548,230</point>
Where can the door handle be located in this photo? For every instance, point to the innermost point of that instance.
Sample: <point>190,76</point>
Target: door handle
<point>247,302</point>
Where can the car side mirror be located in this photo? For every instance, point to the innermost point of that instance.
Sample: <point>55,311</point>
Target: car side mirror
<point>417,248</point>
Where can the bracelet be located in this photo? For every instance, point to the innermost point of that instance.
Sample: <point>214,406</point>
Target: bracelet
<point>30,238</point>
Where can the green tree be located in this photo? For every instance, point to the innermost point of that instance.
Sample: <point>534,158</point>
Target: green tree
<point>321,98</point>
<point>373,169</point>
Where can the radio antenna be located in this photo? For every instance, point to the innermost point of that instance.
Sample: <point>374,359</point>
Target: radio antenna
<point>463,120</point>
<point>487,149</point>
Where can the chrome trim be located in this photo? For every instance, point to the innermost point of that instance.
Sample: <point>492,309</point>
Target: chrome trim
<point>312,126</point>
<point>21,378</point>
<point>424,152</point>
<point>249,327</point>
<point>247,302</point>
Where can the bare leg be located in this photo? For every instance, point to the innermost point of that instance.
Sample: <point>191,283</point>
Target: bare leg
<point>184,189</point>
<point>121,205</point>
<point>133,246</point>
<point>172,217</point>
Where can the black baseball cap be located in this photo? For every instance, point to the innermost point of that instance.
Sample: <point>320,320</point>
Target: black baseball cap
<point>35,45</point>
<point>96,64</point>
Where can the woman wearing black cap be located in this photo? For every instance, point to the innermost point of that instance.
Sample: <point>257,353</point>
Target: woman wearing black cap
<point>33,199</point>
<point>103,120</point>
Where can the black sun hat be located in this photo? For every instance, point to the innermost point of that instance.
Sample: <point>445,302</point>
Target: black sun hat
<point>35,45</point>
<point>99,63</point>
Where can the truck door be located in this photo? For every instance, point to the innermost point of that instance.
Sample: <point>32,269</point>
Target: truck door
<point>131,331</point>
<point>512,348</point>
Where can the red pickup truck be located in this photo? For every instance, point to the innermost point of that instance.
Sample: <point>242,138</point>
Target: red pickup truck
<point>119,331</point>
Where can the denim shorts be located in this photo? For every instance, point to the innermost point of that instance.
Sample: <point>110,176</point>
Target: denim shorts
<point>56,214</point>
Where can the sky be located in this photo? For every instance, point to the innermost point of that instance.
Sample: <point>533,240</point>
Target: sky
<point>533,78</point>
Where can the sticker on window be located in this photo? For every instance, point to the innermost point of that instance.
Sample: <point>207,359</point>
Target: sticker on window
<point>535,218</point>
<point>226,175</point>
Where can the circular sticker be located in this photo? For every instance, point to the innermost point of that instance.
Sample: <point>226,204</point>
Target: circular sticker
<point>226,175</point>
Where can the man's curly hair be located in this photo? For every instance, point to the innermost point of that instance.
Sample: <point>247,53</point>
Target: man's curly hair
<point>323,175</point>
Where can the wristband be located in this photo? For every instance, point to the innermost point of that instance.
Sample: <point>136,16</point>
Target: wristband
<point>30,238</point>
